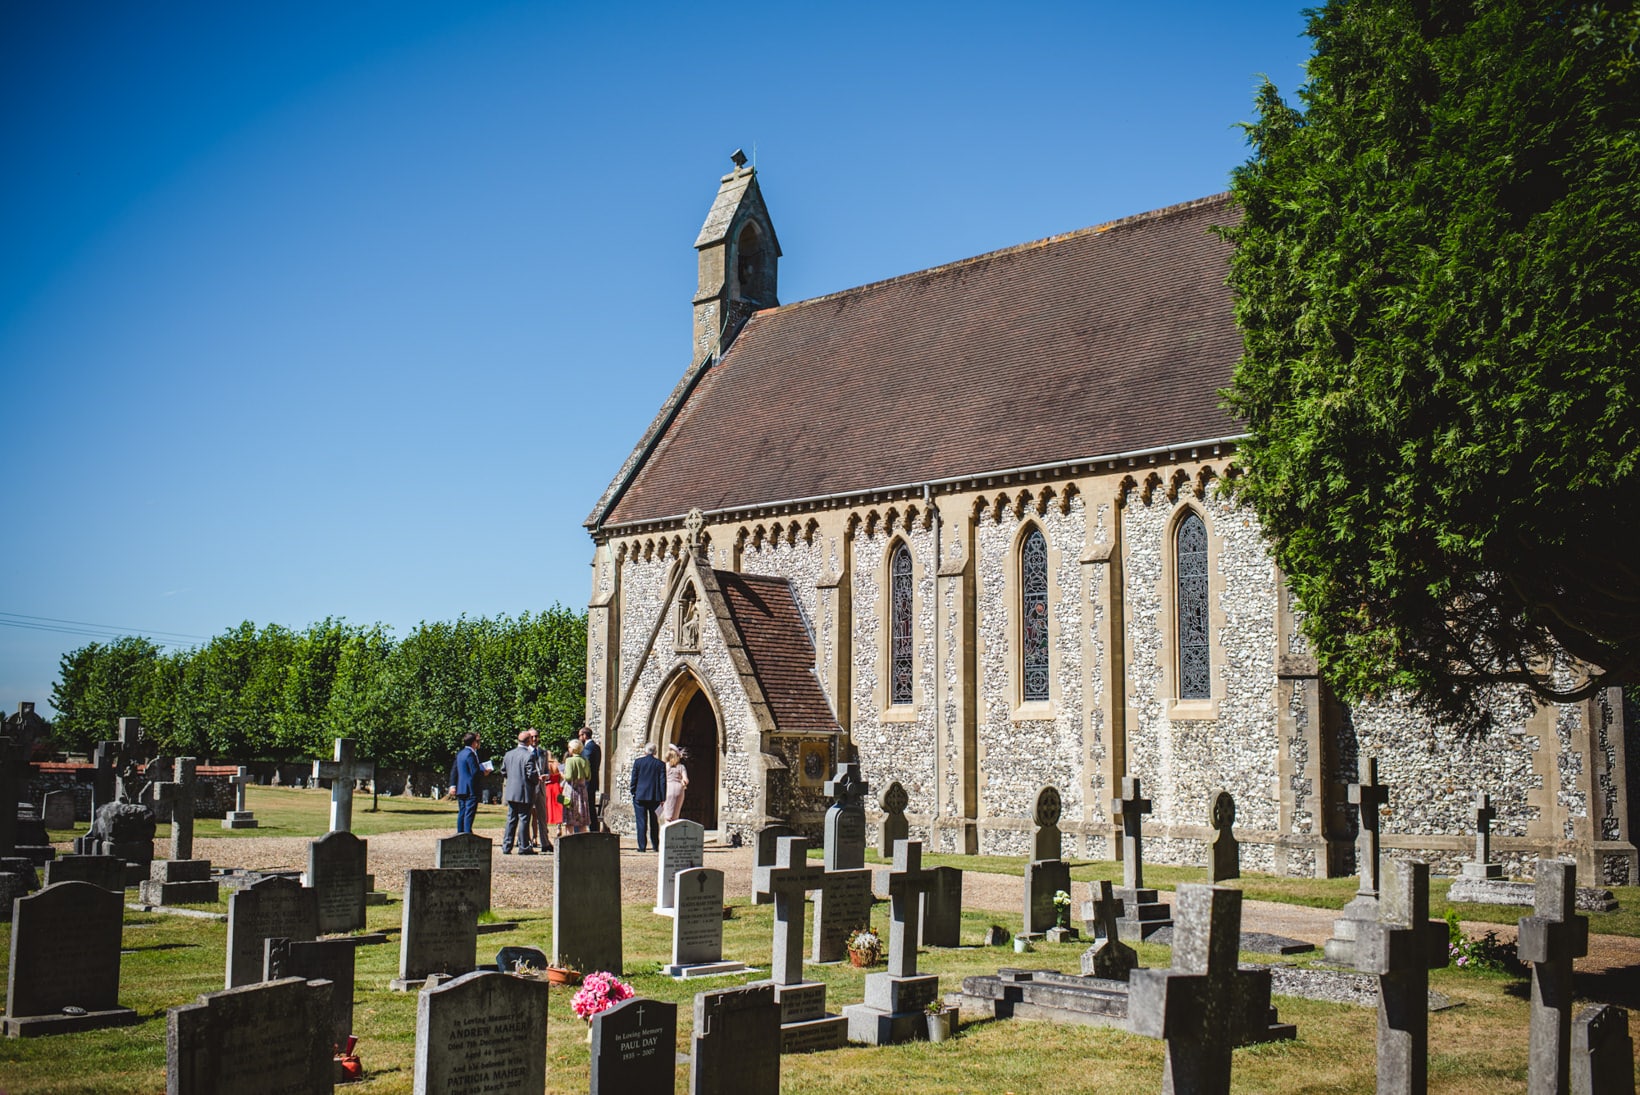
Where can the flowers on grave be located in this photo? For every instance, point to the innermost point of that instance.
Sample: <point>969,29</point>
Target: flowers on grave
<point>865,947</point>
<point>1062,908</point>
<point>1486,953</point>
<point>599,992</point>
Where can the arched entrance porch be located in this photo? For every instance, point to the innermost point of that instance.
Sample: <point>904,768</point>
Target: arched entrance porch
<point>686,715</point>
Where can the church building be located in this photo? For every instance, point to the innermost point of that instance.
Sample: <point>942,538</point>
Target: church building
<point>975,527</point>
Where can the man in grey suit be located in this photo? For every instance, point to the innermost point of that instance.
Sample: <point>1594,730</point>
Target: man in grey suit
<point>519,768</point>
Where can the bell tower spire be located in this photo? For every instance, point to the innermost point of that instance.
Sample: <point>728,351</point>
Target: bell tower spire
<point>739,258</point>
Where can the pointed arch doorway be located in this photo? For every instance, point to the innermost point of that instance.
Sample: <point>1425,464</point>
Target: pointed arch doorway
<point>688,719</point>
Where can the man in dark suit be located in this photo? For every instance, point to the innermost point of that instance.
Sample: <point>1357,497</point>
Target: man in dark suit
<point>648,792</point>
<point>464,776</point>
<point>519,791</point>
<point>590,750</point>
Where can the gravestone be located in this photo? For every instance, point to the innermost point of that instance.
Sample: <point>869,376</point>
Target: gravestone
<point>517,959</point>
<point>1046,873</point>
<point>105,761</point>
<point>17,879</point>
<point>1368,796</point>
<point>586,903</point>
<point>845,826</point>
<point>1192,1005</point>
<point>262,1039</point>
<point>1550,940</point>
<point>1223,852</point>
<point>341,772</point>
<point>124,830</point>
<point>895,1001</point>
<point>57,810</point>
<point>13,775</point>
<point>768,843</point>
<point>942,909</point>
<point>1401,949</point>
<point>336,871</point>
<point>272,908</point>
<point>468,850</point>
<point>737,1041</point>
<point>1109,957</point>
<point>1602,1052</point>
<point>175,799</point>
<point>804,1023</point>
<point>107,871</point>
<point>440,926</point>
<point>240,817</point>
<point>635,1048</point>
<point>697,926</point>
<point>317,960</point>
<point>482,1034</point>
<point>842,903</point>
<point>682,846</point>
<point>65,953</point>
<point>894,826</point>
<point>180,879</point>
<point>1143,912</point>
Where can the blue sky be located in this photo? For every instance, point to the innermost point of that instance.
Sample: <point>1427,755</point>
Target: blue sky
<point>353,309</point>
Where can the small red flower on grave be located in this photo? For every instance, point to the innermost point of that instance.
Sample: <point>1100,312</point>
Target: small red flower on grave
<point>599,992</point>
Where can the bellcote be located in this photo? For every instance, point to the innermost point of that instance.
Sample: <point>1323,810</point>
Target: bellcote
<point>739,257</point>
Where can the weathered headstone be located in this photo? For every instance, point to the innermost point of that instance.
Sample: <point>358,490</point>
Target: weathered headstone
<point>176,797</point>
<point>1482,866</point>
<point>804,1022</point>
<point>1192,1005</point>
<point>107,871</point>
<point>842,903</point>
<point>240,817</point>
<point>586,903</point>
<point>737,1042</point>
<point>1223,852</point>
<point>342,772</point>
<point>1368,796</point>
<point>697,926</point>
<point>472,851</point>
<point>942,909</point>
<point>317,960</point>
<point>1143,912</point>
<point>1109,957</point>
<point>482,1034</point>
<point>1401,949</point>
<point>894,1003</point>
<point>124,830</point>
<point>1046,873</point>
<point>336,871</point>
<point>440,926</point>
<point>635,1048</point>
<point>768,844</point>
<point>57,810</point>
<point>261,1039</point>
<point>1550,940</point>
<point>682,846</point>
<point>272,908</point>
<point>845,825</point>
<point>1602,1052</point>
<point>65,954</point>
<point>894,826</point>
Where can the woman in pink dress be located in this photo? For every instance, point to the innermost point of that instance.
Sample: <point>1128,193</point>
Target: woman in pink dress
<point>677,782</point>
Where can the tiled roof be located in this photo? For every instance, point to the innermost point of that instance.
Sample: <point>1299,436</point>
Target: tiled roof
<point>1108,340</point>
<point>782,655</point>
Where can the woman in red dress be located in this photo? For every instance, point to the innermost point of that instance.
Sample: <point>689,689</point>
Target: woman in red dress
<point>555,788</point>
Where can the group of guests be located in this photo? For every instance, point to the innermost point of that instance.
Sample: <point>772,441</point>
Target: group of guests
<point>541,793</point>
<point>657,788</point>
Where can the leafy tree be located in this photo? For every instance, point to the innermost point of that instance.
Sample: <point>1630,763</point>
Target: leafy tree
<point>1438,281</point>
<point>97,685</point>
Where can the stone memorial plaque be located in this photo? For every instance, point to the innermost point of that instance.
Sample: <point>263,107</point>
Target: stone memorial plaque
<point>273,908</point>
<point>841,905</point>
<point>737,1042</point>
<point>683,845</point>
<point>440,926</point>
<point>65,952</point>
<point>336,870</point>
<point>107,871</point>
<point>482,1034</point>
<point>319,960</point>
<point>697,925</point>
<point>468,850</point>
<point>270,1038</point>
<point>634,1048</point>
<point>586,903</point>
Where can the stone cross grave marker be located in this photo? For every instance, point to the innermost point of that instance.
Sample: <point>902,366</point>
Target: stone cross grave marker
<point>1483,867</point>
<point>894,826</point>
<point>1109,957</point>
<point>1368,796</point>
<point>845,831</point>
<point>942,909</point>
<point>1550,939</point>
<point>1602,1052</point>
<point>893,1009</point>
<point>180,879</point>
<point>1223,851</point>
<point>131,758</point>
<point>1045,873</point>
<point>65,953</point>
<point>737,1042</point>
<point>586,903</point>
<point>105,758</point>
<point>471,851</point>
<point>768,842</point>
<point>635,1048</point>
<point>482,1034</point>
<point>683,846</point>
<point>336,871</point>
<point>1191,1006</point>
<point>804,1022</point>
<point>1401,948</point>
<point>440,925</point>
<point>1143,911</point>
<point>257,1039</point>
<point>697,926</point>
<point>342,772</point>
<point>317,960</point>
<point>240,817</point>
<point>178,794</point>
<point>270,908</point>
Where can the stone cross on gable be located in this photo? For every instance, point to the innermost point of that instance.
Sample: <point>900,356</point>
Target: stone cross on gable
<point>1131,808</point>
<point>178,794</point>
<point>1370,796</point>
<point>342,772</point>
<point>907,882</point>
<point>692,525</point>
<point>1549,939</point>
<point>846,787</point>
<point>790,880</point>
<point>1401,948</point>
<point>1193,1006</point>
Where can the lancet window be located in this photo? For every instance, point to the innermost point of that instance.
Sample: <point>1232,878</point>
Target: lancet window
<point>1195,663</point>
<point>899,654</point>
<point>1033,631</point>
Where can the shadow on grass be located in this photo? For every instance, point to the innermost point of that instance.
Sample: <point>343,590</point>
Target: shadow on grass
<point>159,947</point>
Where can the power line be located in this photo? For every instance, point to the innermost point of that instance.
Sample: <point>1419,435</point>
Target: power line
<point>90,630</point>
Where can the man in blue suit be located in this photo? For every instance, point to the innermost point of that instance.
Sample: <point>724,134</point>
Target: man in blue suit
<point>648,792</point>
<point>464,777</point>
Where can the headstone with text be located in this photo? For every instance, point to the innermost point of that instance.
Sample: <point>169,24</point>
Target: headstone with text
<point>1046,874</point>
<point>482,1034</point>
<point>682,846</point>
<point>804,1022</point>
<point>737,1042</point>
<point>317,960</point>
<point>270,1038</point>
<point>895,1001</point>
<point>845,824</point>
<point>270,908</point>
<point>440,926</point>
<point>697,926</point>
<point>472,851</point>
<point>57,810</point>
<point>336,871</point>
<point>635,1048</point>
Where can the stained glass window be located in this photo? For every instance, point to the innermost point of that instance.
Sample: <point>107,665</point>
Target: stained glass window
<point>1033,631</point>
<point>899,595</point>
<point>1195,665</point>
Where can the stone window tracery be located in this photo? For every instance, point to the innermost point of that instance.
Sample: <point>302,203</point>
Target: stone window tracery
<point>1033,629</point>
<point>899,656</point>
<point>1195,662</point>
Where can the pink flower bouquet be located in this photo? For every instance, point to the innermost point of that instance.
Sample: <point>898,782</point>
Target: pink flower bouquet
<point>599,992</point>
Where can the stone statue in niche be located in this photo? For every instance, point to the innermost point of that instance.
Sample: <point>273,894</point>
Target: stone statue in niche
<point>688,619</point>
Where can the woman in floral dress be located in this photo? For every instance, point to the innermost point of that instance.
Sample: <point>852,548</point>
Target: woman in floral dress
<point>576,773</point>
